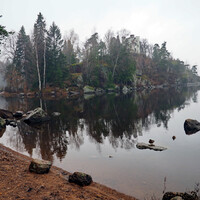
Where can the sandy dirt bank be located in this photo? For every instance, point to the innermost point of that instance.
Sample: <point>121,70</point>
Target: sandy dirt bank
<point>18,183</point>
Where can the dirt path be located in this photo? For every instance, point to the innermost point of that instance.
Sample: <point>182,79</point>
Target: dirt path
<point>16,182</point>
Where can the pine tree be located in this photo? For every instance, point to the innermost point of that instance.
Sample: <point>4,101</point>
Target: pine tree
<point>19,57</point>
<point>23,59</point>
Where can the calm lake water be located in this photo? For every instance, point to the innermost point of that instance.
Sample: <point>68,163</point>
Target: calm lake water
<point>99,135</point>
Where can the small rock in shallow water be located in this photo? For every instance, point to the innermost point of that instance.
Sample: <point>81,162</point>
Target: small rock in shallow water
<point>151,141</point>
<point>40,166</point>
<point>150,146</point>
<point>110,156</point>
<point>173,137</point>
<point>81,179</point>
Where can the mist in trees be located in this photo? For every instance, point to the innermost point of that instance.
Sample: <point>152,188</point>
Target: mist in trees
<point>46,59</point>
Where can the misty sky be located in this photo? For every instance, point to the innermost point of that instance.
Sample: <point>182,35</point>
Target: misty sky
<point>175,21</point>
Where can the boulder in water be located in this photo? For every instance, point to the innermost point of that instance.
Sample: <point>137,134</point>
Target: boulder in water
<point>191,126</point>
<point>36,116</point>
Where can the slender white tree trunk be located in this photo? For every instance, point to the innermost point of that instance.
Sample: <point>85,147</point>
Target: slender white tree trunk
<point>38,70</point>
<point>44,74</point>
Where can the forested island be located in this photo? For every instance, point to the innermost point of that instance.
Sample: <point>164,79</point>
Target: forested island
<point>44,60</point>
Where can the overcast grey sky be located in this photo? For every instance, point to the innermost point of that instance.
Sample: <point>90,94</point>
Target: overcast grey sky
<point>175,21</point>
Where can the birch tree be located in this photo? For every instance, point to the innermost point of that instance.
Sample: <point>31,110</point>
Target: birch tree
<point>40,49</point>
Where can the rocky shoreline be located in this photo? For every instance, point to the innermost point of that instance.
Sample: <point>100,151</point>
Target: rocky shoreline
<point>55,92</point>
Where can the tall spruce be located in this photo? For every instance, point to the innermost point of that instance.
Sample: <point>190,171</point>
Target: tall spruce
<point>23,59</point>
<point>55,58</point>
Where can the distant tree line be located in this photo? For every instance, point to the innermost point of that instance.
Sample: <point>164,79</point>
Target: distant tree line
<point>45,58</point>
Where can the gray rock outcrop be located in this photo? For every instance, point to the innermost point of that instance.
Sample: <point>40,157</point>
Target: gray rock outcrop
<point>36,116</point>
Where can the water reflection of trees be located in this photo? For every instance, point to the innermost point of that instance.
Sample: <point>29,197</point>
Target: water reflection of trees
<point>119,118</point>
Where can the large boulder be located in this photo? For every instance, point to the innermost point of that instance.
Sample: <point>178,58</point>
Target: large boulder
<point>2,123</point>
<point>81,179</point>
<point>150,146</point>
<point>36,116</point>
<point>184,196</point>
<point>6,114</point>
<point>191,126</point>
<point>88,89</point>
<point>40,166</point>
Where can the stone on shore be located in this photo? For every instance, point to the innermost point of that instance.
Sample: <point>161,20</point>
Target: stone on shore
<point>180,195</point>
<point>149,146</point>
<point>6,114</point>
<point>36,116</point>
<point>81,179</point>
<point>191,126</point>
<point>40,166</point>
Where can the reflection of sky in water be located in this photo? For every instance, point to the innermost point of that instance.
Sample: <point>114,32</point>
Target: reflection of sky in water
<point>132,171</point>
